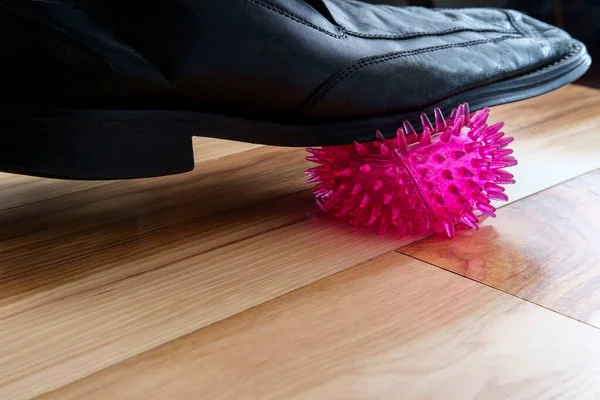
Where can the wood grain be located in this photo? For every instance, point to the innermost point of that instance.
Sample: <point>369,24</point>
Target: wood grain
<point>545,249</point>
<point>391,328</point>
<point>92,273</point>
<point>74,319</point>
<point>206,149</point>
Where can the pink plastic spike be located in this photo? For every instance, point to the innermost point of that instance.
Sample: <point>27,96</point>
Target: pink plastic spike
<point>417,183</point>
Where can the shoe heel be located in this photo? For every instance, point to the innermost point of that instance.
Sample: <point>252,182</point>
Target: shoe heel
<point>75,148</point>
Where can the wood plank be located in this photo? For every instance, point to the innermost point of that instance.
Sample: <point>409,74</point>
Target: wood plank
<point>391,328</point>
<point>74,319</point>
<point>185,251</point>
<point>545,248</point>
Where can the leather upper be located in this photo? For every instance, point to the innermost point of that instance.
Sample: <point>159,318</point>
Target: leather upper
<point>279,59</point>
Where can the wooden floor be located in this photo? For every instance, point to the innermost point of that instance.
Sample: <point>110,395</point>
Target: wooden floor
<point>225,284</point>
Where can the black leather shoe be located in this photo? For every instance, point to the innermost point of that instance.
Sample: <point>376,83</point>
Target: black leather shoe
<point>105,89</point>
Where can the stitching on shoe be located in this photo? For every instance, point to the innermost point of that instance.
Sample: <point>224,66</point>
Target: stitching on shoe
<point>286,14</point>
<point>279,10</point>
<point>368,61</point>
<point>575,47</point>
<point>427,33</point>
<point>512,21</point>
<point>519,28</point>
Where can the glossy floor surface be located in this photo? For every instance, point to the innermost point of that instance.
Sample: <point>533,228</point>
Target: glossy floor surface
<point>222,283</point>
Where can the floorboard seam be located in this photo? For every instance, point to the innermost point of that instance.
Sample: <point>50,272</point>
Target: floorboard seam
<point>500,207</point>
<point>498,289</point>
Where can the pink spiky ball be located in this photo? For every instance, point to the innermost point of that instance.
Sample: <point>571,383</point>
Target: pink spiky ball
<point>417,183</point>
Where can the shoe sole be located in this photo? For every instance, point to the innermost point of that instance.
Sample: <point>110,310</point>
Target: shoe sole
<point>118,144</point>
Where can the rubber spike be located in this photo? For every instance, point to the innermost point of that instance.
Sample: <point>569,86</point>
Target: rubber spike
<point>425,122</point>
<point>440,122</point>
